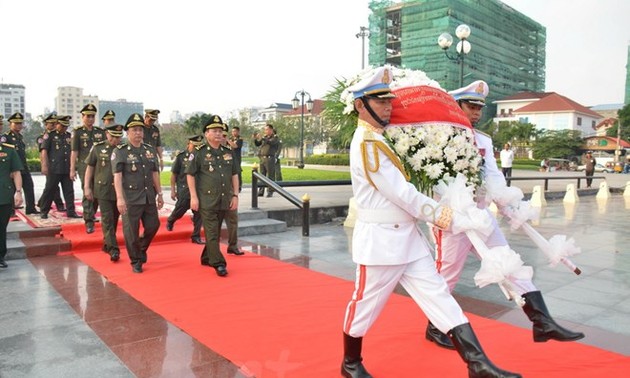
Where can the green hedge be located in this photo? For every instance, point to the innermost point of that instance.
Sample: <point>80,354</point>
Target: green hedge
<point>328,159</point>
<point>34,165</point>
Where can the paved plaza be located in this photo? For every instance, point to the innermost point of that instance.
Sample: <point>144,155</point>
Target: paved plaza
<point>42,335</point>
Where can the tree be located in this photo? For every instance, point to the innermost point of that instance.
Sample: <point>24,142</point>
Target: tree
<point>624,121</point>
<point>175,138</point>
<point>196,123</point>
<point>557,144</point>
<point>341,126</point>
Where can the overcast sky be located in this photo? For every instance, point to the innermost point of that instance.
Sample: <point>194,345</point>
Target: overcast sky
<point>217,56</point>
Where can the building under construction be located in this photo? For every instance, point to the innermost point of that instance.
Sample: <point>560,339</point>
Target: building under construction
<point>508,48</point>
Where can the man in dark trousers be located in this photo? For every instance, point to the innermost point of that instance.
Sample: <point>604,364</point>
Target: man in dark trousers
<point>589,169</point>
<point>82,140</point>
<point>99,185</point>
<point>152,133</point>
<point>180,191</point>
<point>135,166</point>
<point>213,182</point>
<point>14,137</point>
<point>50,122</point>
<point>236,144</point>
<point>268,144</point>
<point>10,192</point>
<point>56,166</point>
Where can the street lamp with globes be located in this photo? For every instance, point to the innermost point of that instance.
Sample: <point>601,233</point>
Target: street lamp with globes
<point>445,40</point>
<point>309,106</point>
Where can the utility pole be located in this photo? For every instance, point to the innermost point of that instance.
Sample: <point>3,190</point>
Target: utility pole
<point>363,32</point>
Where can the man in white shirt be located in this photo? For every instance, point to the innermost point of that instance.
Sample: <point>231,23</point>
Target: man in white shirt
<point>507,157</point>
<point>452,249</point>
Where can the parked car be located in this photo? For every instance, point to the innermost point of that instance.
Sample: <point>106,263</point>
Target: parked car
<point>598,168</point>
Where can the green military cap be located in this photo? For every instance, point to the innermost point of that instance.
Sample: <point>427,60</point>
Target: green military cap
<point>196,139</point>
<point>215,123</point>
<point>115,130</point>
<point>64,120</point>
<point>88,109</point>
<point>152,113</point>
<point>16,118</point>
<point>134,120</point>
<point>108,115</point>
<point>51,118</point>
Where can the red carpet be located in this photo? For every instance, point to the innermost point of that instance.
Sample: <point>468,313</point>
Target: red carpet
<point>59,218</point>
<point>278,320</point>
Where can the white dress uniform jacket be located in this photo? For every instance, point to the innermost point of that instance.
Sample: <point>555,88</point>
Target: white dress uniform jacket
<point>385,232</point>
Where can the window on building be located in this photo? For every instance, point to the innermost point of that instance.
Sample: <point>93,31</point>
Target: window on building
<point>579,121</point>
<point>502,112</point>
<point>593,124</point>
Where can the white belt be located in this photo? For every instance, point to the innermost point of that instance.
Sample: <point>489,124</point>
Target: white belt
<point>393,215</point>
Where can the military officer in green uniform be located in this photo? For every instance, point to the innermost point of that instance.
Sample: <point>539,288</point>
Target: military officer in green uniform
<point>214,177</point>
<point>82,140</point>
<point>231,217</point>
<point>180,192</point>
<point>268,144</point>
<point>50,122</point>
<point>99,184</point>
<point>109,119</point>
<point>135,167</point>
<point>14,137</point>
<point>10,192</point>
<point>56,166</point>
<point>152,133</point>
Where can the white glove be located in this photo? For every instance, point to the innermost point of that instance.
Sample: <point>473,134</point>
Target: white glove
<point>472,219</point>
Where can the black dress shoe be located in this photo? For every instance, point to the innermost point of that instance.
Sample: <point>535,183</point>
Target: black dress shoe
<point>169,226</point>
<point>29,212</point>
<point>221,271</point>
<point>44,216</point>
<point>440,339</point>
<point>115,256</point>
<point>260,194</point>
<point>72,214</point>
<point>137,267</point>
<point>198,240</point>
<point>89,228</point>
<point>3,264</point>
<point>235,252</point>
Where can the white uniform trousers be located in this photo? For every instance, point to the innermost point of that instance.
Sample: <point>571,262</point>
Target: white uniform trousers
<point>452,250</point>
<point>374,285</point>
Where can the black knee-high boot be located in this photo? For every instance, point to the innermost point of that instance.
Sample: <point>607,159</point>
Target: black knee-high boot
<point>352,366</point>
<point>544,327</point>
<point>468,347</point>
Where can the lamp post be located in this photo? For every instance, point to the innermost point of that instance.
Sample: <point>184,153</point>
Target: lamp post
<point>363,32</point>
<point>463,47</point>
<point>309,106</point>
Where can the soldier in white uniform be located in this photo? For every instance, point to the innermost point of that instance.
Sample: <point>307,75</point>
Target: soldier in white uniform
<point>452,250</point>
<point>387,246</point>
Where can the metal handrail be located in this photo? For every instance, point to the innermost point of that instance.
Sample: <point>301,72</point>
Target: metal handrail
<point>304,204</point>
<point>547,178</point>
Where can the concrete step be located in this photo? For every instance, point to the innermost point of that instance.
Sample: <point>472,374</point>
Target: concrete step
<point>24,241</point>
<point>257,227</point>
